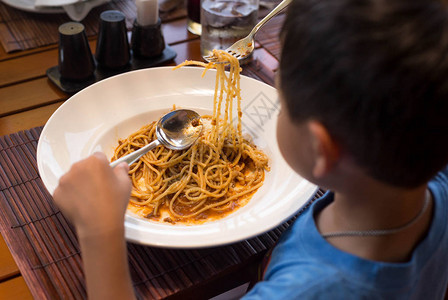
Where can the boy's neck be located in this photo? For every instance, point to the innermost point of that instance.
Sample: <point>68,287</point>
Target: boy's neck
<point>376,206</point>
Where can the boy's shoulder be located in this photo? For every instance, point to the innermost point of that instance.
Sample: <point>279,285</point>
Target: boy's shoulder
<point>294,271</point>
<point>303,265</point>
<point>306,282</point>
<point>441,178</point>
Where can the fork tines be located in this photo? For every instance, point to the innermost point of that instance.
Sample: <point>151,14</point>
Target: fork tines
<point>210,58</point>
<point>237,55</point>
<point>213,59</point>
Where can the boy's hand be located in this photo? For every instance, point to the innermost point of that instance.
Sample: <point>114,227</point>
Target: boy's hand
<point>93,196</point>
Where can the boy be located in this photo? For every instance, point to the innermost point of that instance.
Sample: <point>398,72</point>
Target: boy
<point>364,91</point>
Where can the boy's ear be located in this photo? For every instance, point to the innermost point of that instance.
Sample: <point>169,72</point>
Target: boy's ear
<point>326,150</point>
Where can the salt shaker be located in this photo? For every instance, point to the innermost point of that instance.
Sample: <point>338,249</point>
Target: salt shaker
<point>147,39</point>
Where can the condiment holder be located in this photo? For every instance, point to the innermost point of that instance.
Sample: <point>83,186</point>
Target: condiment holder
<point>147,41</point>
<point>78,68</point>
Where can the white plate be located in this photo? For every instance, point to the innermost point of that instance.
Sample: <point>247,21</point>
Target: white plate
<point>94,119</point>
<point>28,5</point>
<point>74,13</point>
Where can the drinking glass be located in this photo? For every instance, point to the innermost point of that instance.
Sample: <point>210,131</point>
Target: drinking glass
<point>226,21</point>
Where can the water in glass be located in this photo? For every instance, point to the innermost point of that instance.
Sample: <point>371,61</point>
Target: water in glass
<point>226,21</point>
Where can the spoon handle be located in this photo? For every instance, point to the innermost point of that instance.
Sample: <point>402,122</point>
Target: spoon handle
<point>134,156</point>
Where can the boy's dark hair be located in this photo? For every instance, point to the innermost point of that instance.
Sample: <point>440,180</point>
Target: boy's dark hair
<point>375,73</point>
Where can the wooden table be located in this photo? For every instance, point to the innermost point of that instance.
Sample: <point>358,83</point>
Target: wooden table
<point>28,98</point>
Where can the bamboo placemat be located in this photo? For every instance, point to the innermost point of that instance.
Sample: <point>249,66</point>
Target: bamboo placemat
<point>45,247</point>
<point>21,30</point>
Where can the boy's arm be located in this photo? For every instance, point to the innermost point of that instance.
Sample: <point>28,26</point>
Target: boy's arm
<point>106,266</point>
<point>94,197</point>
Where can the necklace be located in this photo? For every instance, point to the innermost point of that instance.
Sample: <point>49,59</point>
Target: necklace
<point>381,231</point>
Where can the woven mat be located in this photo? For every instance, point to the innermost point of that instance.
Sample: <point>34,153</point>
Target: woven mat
<point>46,250</point>
<point>21,30</point>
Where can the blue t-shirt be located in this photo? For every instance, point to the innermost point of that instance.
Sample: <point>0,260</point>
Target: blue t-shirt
<point>305,266</point>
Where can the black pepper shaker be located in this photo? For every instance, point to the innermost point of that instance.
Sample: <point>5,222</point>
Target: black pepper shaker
<point>112,49</point>
<point>75,60</point>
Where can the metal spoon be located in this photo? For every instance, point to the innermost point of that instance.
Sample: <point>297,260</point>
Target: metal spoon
<point>177,130</point>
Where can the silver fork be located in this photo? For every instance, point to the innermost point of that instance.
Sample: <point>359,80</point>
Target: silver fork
<point>242,48</point>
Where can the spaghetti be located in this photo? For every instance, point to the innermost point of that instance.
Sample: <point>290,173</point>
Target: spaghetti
<point>215,176</point>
